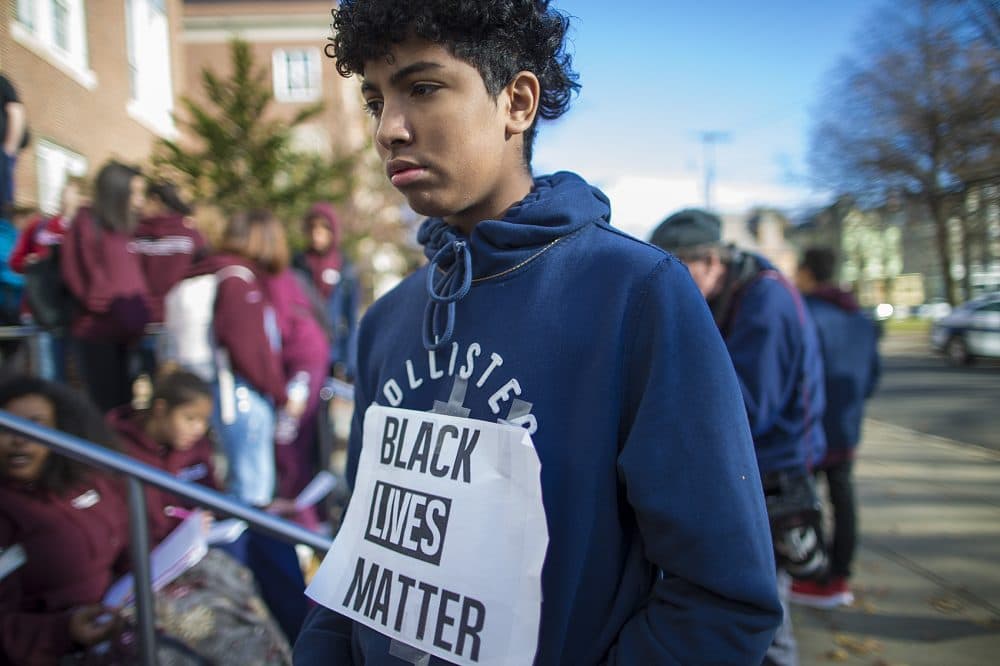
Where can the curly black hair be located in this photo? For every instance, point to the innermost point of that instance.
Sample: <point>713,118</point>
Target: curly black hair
<point>498,37</point>
<point>75,415</point>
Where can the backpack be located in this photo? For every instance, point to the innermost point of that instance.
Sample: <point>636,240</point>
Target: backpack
<point>187,338</point>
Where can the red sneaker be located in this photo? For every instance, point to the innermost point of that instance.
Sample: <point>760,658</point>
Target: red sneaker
<point>835,592</point>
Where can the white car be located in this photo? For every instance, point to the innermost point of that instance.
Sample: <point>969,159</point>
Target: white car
<point>971,330</point>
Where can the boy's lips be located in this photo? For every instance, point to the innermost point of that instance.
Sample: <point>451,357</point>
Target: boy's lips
<point>403,172</point>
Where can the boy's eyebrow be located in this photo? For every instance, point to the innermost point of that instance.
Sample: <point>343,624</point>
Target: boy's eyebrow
<point>400,74</point>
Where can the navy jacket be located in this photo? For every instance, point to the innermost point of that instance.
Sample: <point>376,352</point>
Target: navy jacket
<point>659,547</point>
<point>849,342</point>
<point>773,344</point>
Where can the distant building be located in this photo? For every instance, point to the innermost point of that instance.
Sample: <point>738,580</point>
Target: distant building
<point>763,231</point>
<point>890,254</point>
<point>98,80</point>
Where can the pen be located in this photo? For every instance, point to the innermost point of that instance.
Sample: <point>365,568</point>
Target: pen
<point>177,512</point>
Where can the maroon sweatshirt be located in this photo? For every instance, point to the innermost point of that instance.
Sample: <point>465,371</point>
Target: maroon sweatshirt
<point>195,465</point>
<point>76,546</point>
<point>101,268</point>
<point>304,346</point>
<point>324,267</point>
<point>167,246</point>
<point>239,326</point>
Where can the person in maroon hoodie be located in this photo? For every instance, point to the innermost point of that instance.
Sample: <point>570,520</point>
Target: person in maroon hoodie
<point>304,354</point>
<point>333,276</point>
<point>170,435</point>
<point>244,325</point>
<point>71,522</point>
<point>167,242</point>
<point>102,269</point>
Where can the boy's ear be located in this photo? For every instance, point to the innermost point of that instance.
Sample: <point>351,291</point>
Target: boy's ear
<point>523,93</point>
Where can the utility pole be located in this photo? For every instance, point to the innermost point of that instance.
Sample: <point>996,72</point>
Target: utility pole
<point>708,141</point>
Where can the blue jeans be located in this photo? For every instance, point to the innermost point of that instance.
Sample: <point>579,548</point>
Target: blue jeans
<point>6,182</point>
<point>51,356</point>
<point>783,650</point>
<point>248,443</point>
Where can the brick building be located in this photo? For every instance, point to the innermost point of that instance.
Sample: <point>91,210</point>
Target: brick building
<point>98,79</point>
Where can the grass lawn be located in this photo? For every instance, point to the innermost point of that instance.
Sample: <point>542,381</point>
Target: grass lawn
<point>910,325</point>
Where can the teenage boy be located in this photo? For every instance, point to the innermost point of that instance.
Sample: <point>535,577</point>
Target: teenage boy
<point>533,311</point>
<point>849,342</point>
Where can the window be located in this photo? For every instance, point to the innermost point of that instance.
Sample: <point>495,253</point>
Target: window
<point>60,24</point>
<point>151,83</point>
<point>297,75</point>
<point>26,13</point>
<point>57,31</point>
<point>54,164</point>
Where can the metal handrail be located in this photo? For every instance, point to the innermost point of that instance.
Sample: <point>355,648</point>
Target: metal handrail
<point>96,455</point>
<point>138,473</point>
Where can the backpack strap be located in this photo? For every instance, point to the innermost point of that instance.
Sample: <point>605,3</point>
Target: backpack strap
<point>234,270</point>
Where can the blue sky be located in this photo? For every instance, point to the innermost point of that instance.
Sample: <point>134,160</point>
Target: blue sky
<point>656,74</point>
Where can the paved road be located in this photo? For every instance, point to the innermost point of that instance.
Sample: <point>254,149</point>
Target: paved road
<point>920,391</point>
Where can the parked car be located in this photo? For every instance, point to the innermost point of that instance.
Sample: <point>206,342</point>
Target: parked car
<point>971,330</point>
<point>934,309</point>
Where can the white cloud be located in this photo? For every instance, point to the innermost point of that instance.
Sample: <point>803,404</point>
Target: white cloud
<point>639,203</point>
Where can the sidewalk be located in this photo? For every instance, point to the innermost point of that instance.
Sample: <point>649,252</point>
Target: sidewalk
<point>927,571</point>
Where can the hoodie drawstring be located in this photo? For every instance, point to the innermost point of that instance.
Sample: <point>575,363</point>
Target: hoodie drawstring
<point>444,291</point>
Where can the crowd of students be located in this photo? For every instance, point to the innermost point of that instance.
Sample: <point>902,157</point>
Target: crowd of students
<point>121,261</point>
<point>672,412</point>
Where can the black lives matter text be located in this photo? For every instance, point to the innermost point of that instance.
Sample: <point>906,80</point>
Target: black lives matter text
<point>453,622</point>
<point>408,521</point>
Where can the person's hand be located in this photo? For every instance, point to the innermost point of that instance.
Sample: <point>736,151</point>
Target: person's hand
<point>31,257</point>
<point>295,408</point>
<point>89,625</point>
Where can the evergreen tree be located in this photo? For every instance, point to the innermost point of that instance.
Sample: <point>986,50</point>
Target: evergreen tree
<point>235,157</point>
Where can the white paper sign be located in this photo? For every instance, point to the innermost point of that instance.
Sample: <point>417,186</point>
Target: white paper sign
<point>443,542</point>
<point>179,551</point>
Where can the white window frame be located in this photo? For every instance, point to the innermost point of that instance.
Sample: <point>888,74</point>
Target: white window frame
<point>34,27</point>
<point>54,163</point>
<point>283,90</point>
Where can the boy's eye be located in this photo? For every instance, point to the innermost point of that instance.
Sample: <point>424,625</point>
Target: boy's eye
<point>373,107</point>
<point>424,89</point>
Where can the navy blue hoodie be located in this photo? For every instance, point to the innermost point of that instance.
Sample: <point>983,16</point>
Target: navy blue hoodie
<point>849,342</point>
<point>606,350</point>
<point>773,343</point>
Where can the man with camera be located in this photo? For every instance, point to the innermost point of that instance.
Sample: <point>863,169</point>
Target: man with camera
<point>772,341</point>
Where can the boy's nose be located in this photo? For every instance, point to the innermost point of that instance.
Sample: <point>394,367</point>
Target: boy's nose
<point>393,129</point>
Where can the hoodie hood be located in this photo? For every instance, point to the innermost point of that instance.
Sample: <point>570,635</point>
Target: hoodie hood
<point>325,211</point>
<point>158,226</point>
<point>557,206</point>
<point>844,300</point>
<point>213,263</point>
<point>127,423</point>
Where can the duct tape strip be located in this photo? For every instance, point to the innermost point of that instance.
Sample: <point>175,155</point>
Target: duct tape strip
<point>454,407</point>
